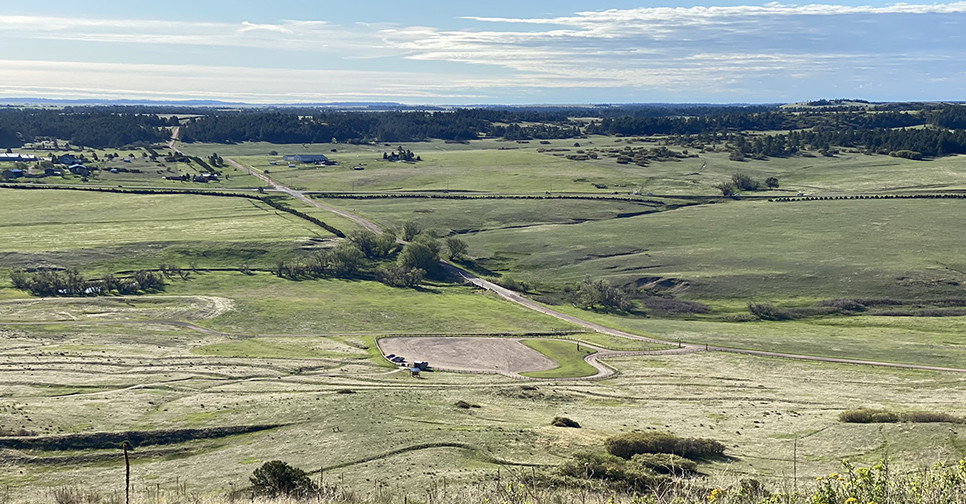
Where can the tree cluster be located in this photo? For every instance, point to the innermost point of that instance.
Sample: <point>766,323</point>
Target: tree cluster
<point>71,283</point>
<point>597,294</point>
<point>365,254</point>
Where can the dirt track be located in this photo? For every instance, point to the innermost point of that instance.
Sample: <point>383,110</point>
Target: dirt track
<point>593,359</point>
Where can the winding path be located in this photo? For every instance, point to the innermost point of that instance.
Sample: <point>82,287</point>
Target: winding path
<point>520,299</point>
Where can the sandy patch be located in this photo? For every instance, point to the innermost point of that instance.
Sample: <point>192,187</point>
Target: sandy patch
<point>486,355</point>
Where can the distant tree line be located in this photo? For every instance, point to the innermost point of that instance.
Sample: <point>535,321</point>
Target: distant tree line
<point>87,126</point>
<point>929,129</point>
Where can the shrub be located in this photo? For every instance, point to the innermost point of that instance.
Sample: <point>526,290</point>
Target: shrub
<point>766,311</point>
<point>849,305</point>
<point>276,479</point>
<point>564,422</point>
<point>665,463</point>
<point>907,154</point>
<point>744,182</point>
<point>601,466</point>
<point>630,444</point>
<point>868,416</point>
<point>463,404</point>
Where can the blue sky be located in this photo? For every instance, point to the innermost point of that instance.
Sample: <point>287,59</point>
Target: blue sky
<point>498,51</point>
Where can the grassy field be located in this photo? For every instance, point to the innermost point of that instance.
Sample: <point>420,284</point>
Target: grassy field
<point>511,167</point>
<point>224,349</point>
<point>753,250</point>
<point>569,358</point>
<point>117,231</point>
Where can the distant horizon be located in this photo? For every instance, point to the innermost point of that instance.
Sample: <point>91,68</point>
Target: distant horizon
<point>387,105</point>
<point>499,52</point>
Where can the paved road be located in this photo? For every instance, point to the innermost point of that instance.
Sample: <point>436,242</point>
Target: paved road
<point>522,300</point>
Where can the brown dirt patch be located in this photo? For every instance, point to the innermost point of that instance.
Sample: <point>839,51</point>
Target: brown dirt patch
<point>481,355</point>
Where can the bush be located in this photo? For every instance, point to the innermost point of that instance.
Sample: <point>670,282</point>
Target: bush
<point>868,415</point>
<point>766,311</point>
<point>633,443</point>
<point>276,479</point>
<point>907,154</point>
<point>601,466</point>
<point>564,422</point>
<point>744,182</point>
<point>665,463</point>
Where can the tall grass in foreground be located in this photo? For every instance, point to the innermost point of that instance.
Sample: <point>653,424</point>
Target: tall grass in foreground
<point>939,484</point>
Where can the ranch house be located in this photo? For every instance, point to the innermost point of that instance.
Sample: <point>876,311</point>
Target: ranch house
<point>306,158</point>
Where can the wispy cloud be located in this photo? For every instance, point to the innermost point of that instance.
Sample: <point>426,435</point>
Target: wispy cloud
<point>730,53</point>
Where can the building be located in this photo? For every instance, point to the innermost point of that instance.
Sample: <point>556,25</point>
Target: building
<point>14,173</point>
<point>306,158</point>
<point>79,169</point>
<point>17,157</point>
<point>68,159</point>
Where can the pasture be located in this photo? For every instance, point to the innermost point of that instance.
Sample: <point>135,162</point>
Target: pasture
<point>272,368</point>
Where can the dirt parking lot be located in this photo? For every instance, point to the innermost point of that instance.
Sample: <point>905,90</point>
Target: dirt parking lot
<point>486,355</point>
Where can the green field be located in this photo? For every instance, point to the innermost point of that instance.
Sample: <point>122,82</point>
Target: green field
<point>570,360</point>
<point>78,228</point>
<point>224,349</point>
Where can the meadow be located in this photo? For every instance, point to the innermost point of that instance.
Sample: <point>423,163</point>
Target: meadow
<point>297,362</point>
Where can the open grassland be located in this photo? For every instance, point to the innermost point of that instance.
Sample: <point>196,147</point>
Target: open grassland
<point>267,304</point>
<point>456,216</point>
<point>753,250</point>
<point>521,168</point>
<point>77,228</point>
<point>117,378</point>
<point>927,341</point>
<point>297,365</point>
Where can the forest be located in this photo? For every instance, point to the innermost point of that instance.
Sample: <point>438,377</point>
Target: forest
<point>929,130</point>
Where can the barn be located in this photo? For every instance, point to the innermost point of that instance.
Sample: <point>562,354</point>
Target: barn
<point>306,158</point>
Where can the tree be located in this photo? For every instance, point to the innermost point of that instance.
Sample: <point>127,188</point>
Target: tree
<point>345,259</point>
<point>771,182</point>
<point>277,479</point>
<point>726,188</point>
<point>744,182</point>
<point>457,248</point>
<point>372,245</point>
<point>592,294</point>
<point>421,254</point>
<point>411,230</point>
<point>398,276</point>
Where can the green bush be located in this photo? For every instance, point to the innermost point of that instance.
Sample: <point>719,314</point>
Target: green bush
<point>627,445</point>
<point>601,466</point>
<point>665,463</point>
<point>277,479</point>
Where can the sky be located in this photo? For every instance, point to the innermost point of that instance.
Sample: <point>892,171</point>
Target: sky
<point>490,52</point>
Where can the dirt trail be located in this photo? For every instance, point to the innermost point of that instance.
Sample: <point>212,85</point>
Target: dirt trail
<point>520,299</point>
<point>299,195</point>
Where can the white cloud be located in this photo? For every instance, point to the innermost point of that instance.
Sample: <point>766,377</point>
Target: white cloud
<point>247,27</point>
<point>658,51</point>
